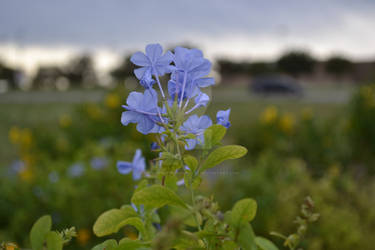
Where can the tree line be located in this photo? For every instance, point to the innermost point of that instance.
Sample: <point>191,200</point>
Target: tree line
<point>80,72</point>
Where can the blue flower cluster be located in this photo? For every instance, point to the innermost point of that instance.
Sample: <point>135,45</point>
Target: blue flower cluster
<point>188,74</point>
<point>188,71</point>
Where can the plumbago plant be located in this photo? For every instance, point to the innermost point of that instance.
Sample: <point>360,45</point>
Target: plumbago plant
<point>188,145</point>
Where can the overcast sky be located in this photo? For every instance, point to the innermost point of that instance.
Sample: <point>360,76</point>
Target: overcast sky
<point>51,31</point>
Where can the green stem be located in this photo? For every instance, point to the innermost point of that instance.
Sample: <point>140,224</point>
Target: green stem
<point>194,205</point>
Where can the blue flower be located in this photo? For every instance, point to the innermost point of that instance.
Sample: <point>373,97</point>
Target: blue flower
<point>191,61</point>
<point>153,60</point>
<point>196,125</point>
<point>190,68</point>
<point>175,86</point>
<point>154,146</point>
<point>200,101</point>
<point>222,118</point>
<point>18,166</point>
<point>76,170</point>
<point>138,165</point>
<point>146,81</point>
<point>142,109</point>
<point>141,208</point>
<point>98,163</point>
<point>53,176</point>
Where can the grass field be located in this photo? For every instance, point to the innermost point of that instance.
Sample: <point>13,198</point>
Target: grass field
<point>32,109</point>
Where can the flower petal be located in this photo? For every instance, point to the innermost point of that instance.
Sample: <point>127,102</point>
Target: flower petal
<point>134,99</point>
<point>202,99</point>
<point>191,143</point>
<point>145,124</point>
<point>129,117</point>
<point>204,122</point>
<point>153,52</point>
<point>124,167</point>
<point>205,82</point>
<point>140,72</point>
<point>166,59</point>
<point>150,100</point>
<point>140,59</point>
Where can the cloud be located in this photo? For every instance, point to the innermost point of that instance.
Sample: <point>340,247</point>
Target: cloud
<point>238,28</point>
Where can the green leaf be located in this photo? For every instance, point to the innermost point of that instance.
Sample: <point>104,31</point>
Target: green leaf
<point>191,162</point>
<point>106,245</point>
<point>213,135</point>
<point>128,244</point>
<point>223,153</point>
<point>229,245</point>
<point>110,221</point>
<point>141,184</point>
<point>39,232</point>
<point>157,196</point>
<point>245,237</point>
<point>188,240</point>
<point>243,211</point>
<point>265,244</point>
<point>54,241</point>
<point>171,182</point>
<point>185,214</point>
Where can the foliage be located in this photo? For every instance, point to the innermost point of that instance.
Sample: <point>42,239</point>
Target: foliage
<point>61,165</point>
<point>296,63</point>
<point>338,66</point>
<point>277,184</point>
<point>290,156</point>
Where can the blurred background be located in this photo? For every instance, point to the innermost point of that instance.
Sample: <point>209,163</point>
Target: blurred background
<point>298,76</point>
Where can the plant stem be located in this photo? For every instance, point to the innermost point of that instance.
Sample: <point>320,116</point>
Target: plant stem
<point>161,89</point>
<point>194,204</point>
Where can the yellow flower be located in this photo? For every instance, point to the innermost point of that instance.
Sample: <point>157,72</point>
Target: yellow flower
<point>14,135</point>
<point>9,246</point>
<point>269,115</point>
<point>21,137</point>
<point>29,159</point>
<point>65,120</point>
<point>26,174</point>
<point>334,170</point>
<point>62,144</point>
<point>287,123</point>
<point>368,94</point>
<point>26,138</point>
<point>130,233</point>
<point>93,111</point>
<point>112,100</point>
<point>307,114</point>
<point>83,236</point>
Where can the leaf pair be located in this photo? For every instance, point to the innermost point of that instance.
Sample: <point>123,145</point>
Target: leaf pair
<point>41,234</point>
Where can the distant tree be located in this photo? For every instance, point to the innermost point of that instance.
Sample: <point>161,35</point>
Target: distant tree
<point>81,72</point>
<point>227,67</point>
<point>123,71</point>
<point>261,68</point>
<point>46,77</point>
<point>296,63</point>
<point>10,75</point>
<point>338,66</point>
